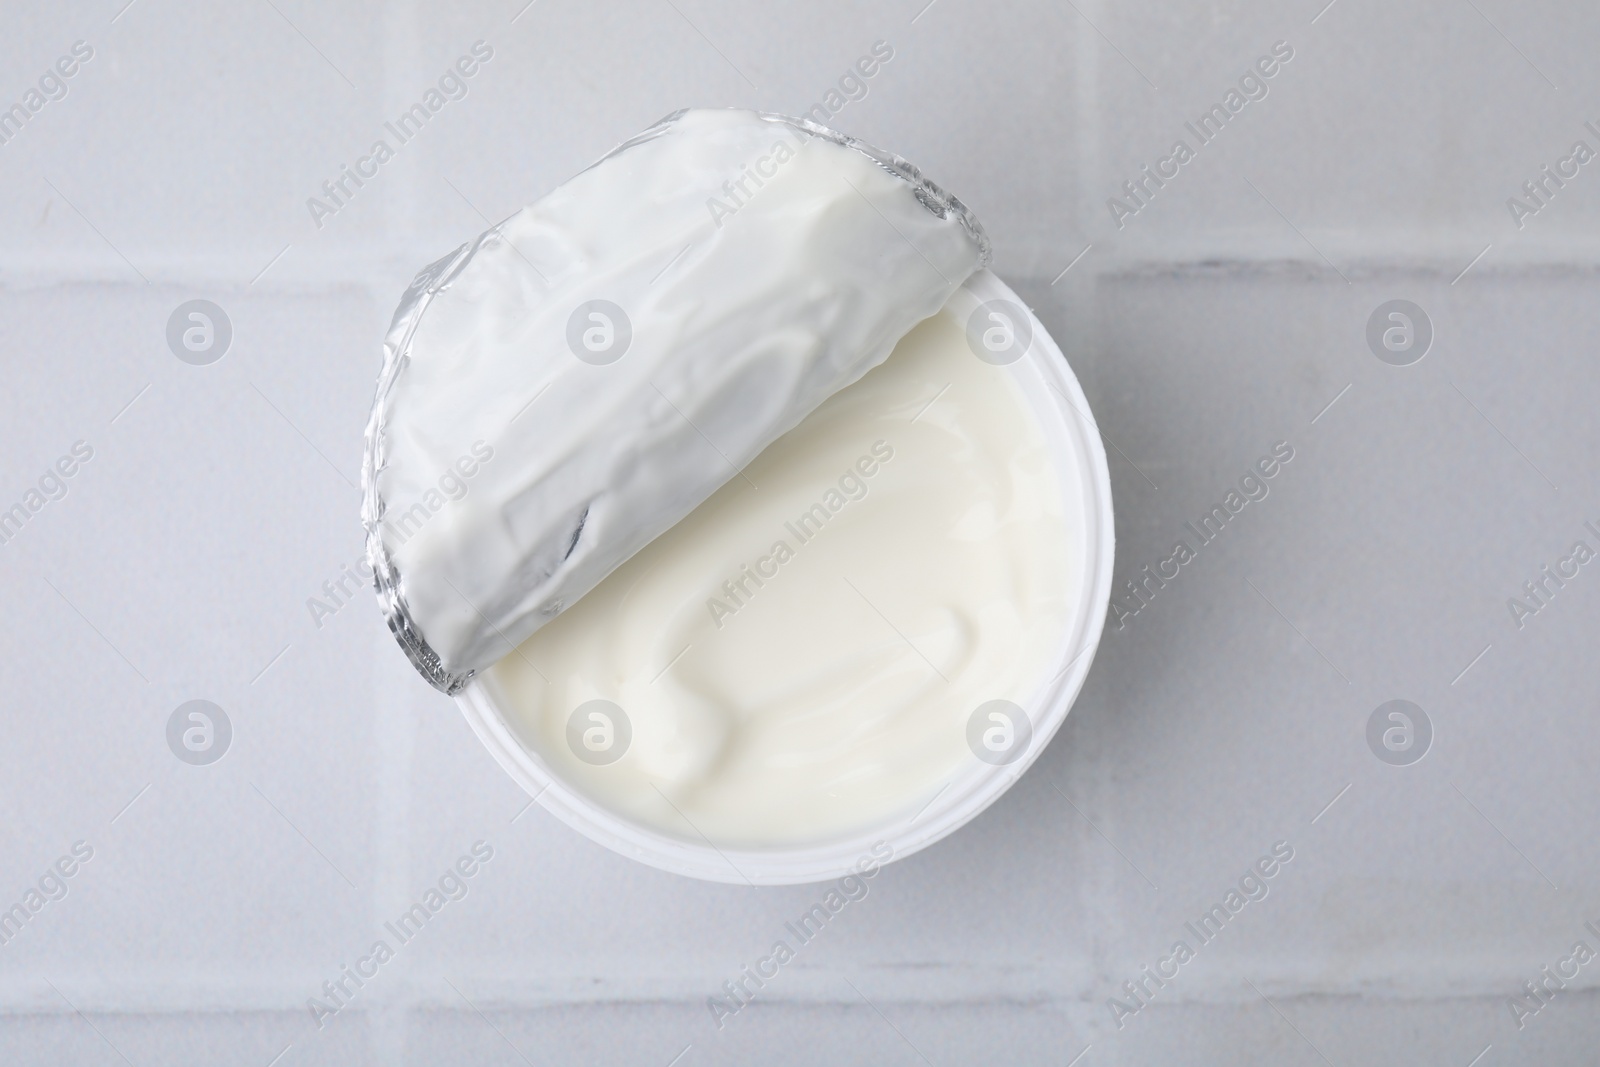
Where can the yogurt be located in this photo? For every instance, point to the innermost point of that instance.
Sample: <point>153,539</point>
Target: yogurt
<point>624,347</point>
<point>801,656</point>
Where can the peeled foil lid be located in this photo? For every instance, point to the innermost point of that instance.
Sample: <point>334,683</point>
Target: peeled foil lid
<point>437,277</point>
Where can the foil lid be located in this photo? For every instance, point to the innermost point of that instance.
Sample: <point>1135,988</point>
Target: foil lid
<point>437,277</point>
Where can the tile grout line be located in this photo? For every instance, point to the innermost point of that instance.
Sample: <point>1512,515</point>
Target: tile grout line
<point>394,719</point>
<point>1098,894</point>
<point>395,726</point>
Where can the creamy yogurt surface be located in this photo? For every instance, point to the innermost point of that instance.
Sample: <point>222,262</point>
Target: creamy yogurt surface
<point>801,655</point>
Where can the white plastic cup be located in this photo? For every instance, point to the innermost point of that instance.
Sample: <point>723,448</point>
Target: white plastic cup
<point>1074,440</point>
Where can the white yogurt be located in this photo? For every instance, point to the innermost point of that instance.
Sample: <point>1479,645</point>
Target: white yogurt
<point>800,657</point>
<point>624,347</point>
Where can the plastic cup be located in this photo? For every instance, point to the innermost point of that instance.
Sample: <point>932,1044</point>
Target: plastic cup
<point>1069,429</point>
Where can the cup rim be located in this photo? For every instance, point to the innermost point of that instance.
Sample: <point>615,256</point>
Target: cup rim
<point>965,796</point>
